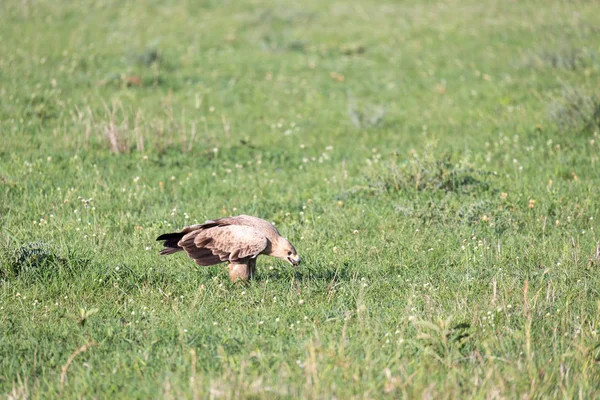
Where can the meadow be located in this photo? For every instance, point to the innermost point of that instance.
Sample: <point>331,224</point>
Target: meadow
<point>435,163</point>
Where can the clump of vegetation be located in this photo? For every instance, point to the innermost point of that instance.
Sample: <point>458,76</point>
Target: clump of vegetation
<point>431,188</point>
<point>39,261</point>
<point>576,111</point>
<point>567,57</point>
<point>368,116</point>
<point>278,44</point>
<point>33,258</point>
<point>429,174</point>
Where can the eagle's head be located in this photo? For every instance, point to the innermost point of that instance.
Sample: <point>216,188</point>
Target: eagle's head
<point>284,250</point>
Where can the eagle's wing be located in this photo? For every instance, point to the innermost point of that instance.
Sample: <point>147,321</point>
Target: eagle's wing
<point>233,243</point>
<point>246,220</point>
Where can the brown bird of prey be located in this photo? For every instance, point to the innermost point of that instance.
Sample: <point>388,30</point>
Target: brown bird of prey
<point>236,240</point>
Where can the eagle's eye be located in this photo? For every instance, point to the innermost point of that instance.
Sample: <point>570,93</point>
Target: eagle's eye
<point>289,253</point>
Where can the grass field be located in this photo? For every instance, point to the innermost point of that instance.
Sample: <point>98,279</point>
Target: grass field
<point>434,163</point>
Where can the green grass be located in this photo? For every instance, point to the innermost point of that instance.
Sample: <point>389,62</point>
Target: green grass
<point>434,163</point>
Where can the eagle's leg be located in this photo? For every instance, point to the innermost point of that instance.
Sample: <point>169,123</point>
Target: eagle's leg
<point>239,271</point>
<point>242,271</point>
<point>251,267</point>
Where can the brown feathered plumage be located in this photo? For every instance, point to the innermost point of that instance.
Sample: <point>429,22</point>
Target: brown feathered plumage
<point>236,240</point>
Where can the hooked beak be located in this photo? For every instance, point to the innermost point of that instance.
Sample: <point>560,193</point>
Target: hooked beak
<point>294,260</point>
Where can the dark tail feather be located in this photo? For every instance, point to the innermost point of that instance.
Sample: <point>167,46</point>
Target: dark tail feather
<point>169,236</point>
<point>171,240</point>
<point>169,250</point>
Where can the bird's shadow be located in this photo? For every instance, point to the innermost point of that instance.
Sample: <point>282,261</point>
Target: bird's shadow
<point>307,273</point>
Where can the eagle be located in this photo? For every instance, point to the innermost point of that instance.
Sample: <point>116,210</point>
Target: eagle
<point>236,240</point>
